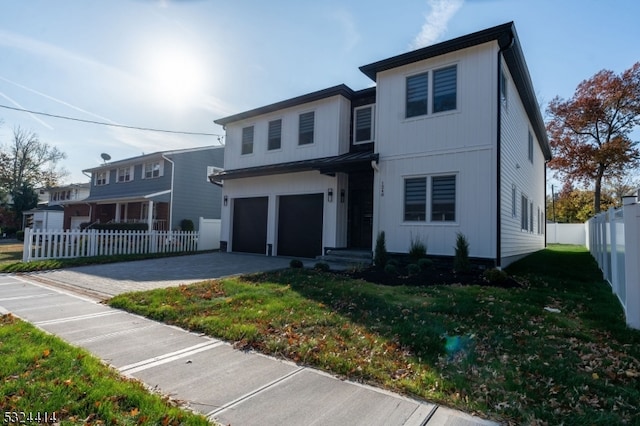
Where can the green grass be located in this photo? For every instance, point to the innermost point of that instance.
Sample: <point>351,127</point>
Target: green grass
<point>10,253</point>
<point>41,373</point>
<point>490,351</point>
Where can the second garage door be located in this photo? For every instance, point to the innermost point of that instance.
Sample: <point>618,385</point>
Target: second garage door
<point>300,225</point>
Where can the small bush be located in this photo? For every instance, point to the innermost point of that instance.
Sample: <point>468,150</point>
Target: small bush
<point>187,225</point>
<point>413,269</point>
<point>322,266</point>
<point>393,262</point>
<point>380,255</point>
<point>425,263</point>
<point>417,249</point>
<point>20,235</point>
<point>461,260</point>
<point>296,264</point>
<point>495,276</point>
<point>390,269</point>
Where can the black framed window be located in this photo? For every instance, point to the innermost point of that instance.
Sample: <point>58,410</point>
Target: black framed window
<point>415,199</point>
<point>417,95</point>
<point>306,128</point>
<point>445,85</point>
<point>247,140</point>
<point>275,135</point>
<point>443,198</point>
<point>530,146</point>
<point>363,124</point>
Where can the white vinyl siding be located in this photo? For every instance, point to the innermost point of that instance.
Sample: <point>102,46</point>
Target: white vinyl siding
<point>363,124</point>
<point>306,128</point>
<point>275,135</point>
<point>247,140</point>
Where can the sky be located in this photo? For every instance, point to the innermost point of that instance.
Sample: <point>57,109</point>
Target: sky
<point>177,65</point>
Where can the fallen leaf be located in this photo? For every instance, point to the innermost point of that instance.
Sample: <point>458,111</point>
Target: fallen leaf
<point>46,353</point>
<point>134,412</point>
<point>595,376</point>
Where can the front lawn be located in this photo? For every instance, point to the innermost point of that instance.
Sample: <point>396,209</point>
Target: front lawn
<point>491,351</point>
<point>46,381</point>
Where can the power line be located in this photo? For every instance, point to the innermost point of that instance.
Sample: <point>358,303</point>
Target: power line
<point>102,123</point>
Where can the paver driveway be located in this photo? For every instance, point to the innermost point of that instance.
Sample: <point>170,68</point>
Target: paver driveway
<point>105,281</point>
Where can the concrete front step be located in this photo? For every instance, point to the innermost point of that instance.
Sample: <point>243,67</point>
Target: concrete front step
<point>357,257</point>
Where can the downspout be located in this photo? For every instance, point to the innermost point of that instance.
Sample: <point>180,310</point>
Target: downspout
<point>173,170</point>
<point>498,154</point>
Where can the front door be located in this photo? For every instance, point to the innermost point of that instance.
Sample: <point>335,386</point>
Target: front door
<point>360,226</point>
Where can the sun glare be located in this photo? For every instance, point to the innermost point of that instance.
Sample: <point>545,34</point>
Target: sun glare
<point>175,74</point>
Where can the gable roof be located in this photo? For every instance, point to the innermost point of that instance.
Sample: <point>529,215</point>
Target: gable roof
<point>340,89</point>
<point>507,39</point>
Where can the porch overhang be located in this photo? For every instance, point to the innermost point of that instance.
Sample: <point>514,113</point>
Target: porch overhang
<point>349,162</point>
<point>162,196</point>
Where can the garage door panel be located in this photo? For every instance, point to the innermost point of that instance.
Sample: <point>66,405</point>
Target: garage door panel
<point>250,224</point>
<point>300,225</point>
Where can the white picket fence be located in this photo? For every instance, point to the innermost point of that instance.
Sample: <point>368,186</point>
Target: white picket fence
<point>614,241</point>
<point>42,244</point>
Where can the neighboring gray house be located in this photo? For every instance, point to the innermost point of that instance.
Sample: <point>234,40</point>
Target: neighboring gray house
<point>450,140</point>
<point>160,189</point>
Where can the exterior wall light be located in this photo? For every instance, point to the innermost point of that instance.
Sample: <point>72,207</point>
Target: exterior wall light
<point>226,200</point>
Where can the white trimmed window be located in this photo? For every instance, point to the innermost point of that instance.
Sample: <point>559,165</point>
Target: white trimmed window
<point>247,140</point>
<point>415,199</point>
<point>125,174</point>
<point>363,124</point>
<point>441,202</point>
<point>417,95</point>
<point>152,169</point>
<point>444,92</point>
<point>306,124</point>
<point>102,178</point>
<point>445,89</point>
<point>275,135</point>
<point>524,213</point>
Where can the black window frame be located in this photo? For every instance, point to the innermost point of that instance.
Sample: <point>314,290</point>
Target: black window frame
<point>360,130</point>
<point>417,95</point>
<point>274,135</point>
<point>246,146</point>
<point>440,214</point>
<point>415,199</point>
<point>530,146</point>
<point>306,128</point>
<point>441,81</point>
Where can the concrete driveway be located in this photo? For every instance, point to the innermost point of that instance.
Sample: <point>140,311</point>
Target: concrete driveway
<point>105,281</point>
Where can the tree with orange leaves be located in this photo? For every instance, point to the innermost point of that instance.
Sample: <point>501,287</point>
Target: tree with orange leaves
<point>590,133</point>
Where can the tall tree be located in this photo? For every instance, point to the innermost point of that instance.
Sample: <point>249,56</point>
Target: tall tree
<point>589,133</point>
<point>28,161</point>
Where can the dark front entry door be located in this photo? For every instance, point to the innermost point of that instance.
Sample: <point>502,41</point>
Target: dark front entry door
<point>250,225</point>
<point>300,225</point>
<point>360,210</point>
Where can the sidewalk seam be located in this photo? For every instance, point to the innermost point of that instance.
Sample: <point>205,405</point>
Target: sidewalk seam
<point>169,357</point>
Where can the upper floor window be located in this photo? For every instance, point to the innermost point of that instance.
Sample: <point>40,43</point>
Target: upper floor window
<point>125,174</point>
<point>305,128</point>
<point>152,169</point>
<point>102,178</point>
<point>363,124</point>
<point>417,95</point>
<point>530,146</point>
<point>445,83</point>
<point>247,140</point>
<point>275,135</point>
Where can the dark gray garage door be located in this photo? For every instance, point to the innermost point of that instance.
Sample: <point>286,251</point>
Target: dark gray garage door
<point>250,225</point>
<point>300,225</point>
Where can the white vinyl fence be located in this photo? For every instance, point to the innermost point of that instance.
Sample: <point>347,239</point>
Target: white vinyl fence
<point>614,241</point>
<point>567,233</point>
<point>48,244</point>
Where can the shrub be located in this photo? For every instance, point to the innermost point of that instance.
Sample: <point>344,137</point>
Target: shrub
<point>380,255</point>
<point>296,264</point>
<point>461,260</point>
<point>417,249</point>
<point>20,235</point>
<point>495,276</point>
<point>187,225</point>
<point>322,266</point>
<point>390,269</point>
<point>413,269</point>
<point>425,263</point>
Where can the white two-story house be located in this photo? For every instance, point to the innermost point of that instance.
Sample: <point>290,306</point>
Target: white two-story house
<point>450,140</point>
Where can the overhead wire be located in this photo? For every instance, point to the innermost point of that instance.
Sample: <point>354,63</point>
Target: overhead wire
<point>102,123</point>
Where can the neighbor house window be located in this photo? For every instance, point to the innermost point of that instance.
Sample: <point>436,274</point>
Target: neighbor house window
<point>363,126</point>
<point>152,170</point>
<point>445,89</point>
<point>415,199</point>
<point>102,178</point>
<point>443,198</point>
<point>524,213</point>
<point>531,217</point>
<point>247,140</point>
<point>275,135</point>
<point>305,128</point>
<point>124,174</point>
<point>417,95</point>
<point>530,146</point>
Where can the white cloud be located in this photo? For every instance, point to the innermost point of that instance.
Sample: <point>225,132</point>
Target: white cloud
<point>435,23</point>
<point>347,23</point>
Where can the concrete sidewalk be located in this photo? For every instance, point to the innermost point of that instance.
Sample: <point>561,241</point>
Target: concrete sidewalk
<point>227,385</point>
